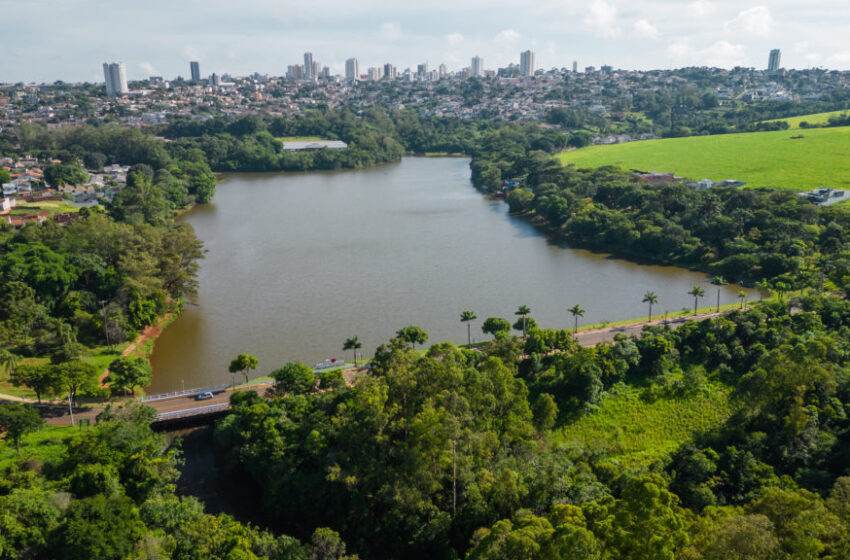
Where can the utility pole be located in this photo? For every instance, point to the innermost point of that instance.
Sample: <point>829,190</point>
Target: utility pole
<point>105,328</point>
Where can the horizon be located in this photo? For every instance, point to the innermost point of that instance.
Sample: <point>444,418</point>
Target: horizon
<point>72,42</point>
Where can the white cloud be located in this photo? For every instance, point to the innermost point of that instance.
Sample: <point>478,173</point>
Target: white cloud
<point>454,38</point>
<point>148,68</point>
<point>602,17</point>
<point>755,21</point>
<point>721,54</point>
<point>390,31</point>
<point>643,28</point>
<point>508,36</point>
<point>190,53</point>
<point>702,8</point>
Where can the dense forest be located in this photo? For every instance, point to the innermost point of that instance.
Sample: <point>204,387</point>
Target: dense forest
<point>107,492</point>
<point>745,235</point>
<point>417,459</point>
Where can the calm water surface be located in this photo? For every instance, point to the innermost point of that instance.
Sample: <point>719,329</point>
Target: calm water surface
<point>297,263</point>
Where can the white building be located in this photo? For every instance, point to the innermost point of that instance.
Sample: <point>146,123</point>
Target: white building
<point>526,63</point>
<point>352,70</point>
<point>115,76</point>
<point>476,68</point>
<point>308,66</point>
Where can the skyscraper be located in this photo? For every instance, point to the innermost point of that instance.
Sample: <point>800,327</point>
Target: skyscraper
<point>476,69</point>
<point>389,71</point>
<point>115,76</point>
<point>352,70</point>
<point>526,63</point>
<point>195,71</point>
<point>308,66</point>
<point>422,69</point>
<point>773,61</point>
<point>575,67</point>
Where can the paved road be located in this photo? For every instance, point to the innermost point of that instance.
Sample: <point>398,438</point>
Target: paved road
<point>594,337</point>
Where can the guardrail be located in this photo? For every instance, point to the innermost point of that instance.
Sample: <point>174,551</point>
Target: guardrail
<point>210,408</point>
<point>183,393</point>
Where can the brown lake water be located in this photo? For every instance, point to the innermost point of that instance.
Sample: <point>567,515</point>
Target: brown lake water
<point>297,263</point>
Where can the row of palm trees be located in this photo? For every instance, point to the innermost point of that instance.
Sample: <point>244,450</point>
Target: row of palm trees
<point>523,311</point>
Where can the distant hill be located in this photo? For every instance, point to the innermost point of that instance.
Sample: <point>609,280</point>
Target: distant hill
<point>762,159</point>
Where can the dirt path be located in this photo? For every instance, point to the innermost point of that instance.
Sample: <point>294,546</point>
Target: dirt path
<point>150,333</point>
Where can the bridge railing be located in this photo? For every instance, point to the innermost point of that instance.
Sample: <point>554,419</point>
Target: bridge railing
<point>183,393</point>
<point>210,408</point>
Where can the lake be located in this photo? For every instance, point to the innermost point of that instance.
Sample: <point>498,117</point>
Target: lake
<point>297,263</point>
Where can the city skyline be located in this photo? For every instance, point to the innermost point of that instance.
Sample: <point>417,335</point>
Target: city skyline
<point>263,36</point>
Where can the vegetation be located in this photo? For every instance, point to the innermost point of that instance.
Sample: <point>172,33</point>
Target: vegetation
<point>107,492</point>
<point>662,446</point>
<point>762,159</point>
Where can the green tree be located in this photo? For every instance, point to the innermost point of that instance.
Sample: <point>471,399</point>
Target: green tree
<point>523,311</point>
<point>495,325</point>
<point>544,412</point>
<point>576,312</point>
<point>9,361</point>
<point>43,379</point>
<point>352,344</point>
<point>16,420</point>
<point>294,377</point>
<point>718,281</point>
<point>74,375</point>
<point>126,373</point>
<point>243,363</point>
<point>697,292</point>
<point>98,527</point>
<point>651,299</point>
<point>413,335</point>
<point>742,295</point>
<point>466,317</point>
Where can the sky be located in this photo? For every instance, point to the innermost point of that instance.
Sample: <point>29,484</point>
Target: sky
<point>48,40</point>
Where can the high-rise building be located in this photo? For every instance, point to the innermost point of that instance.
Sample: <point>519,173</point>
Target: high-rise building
<point>421,69</point>
<point>476,69</point>
<point>352,70</point>
<point>389,71</point>
<point>195,70</point>
<point>443,71</point>
<point>115,76</point>
<point>575,67</point>
<point>526,63</point>
<point>374,74</point>
<point>773,61</point>
<point>308,66</point>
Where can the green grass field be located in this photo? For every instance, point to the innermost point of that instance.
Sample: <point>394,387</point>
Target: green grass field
<point>814,118</point>
<point>636,432</point>
<point>47,444</point>
<point>762,159</point>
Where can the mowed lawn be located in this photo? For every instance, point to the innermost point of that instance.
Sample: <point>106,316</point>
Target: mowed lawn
<point>636,432</point>
<point>762,159</point>
<point>814,118</point>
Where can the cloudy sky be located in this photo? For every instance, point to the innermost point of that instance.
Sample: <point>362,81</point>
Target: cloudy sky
<point>47,40</point>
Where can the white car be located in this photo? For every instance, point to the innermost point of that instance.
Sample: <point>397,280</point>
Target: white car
<point>206,395</point>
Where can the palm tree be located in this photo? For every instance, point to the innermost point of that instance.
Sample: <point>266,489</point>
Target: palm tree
<point>742,295</point>
<point>523,312</point>
<point>697,292</point>
<point>763,286</point>
<point>577,312</point>
<point>9,362</point>
<point>466,317</point>
<point>352,344</point>
<point>718,281</point>
<point>651,299</point>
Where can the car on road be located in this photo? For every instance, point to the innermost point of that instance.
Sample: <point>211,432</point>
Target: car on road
<point>205,396</point>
